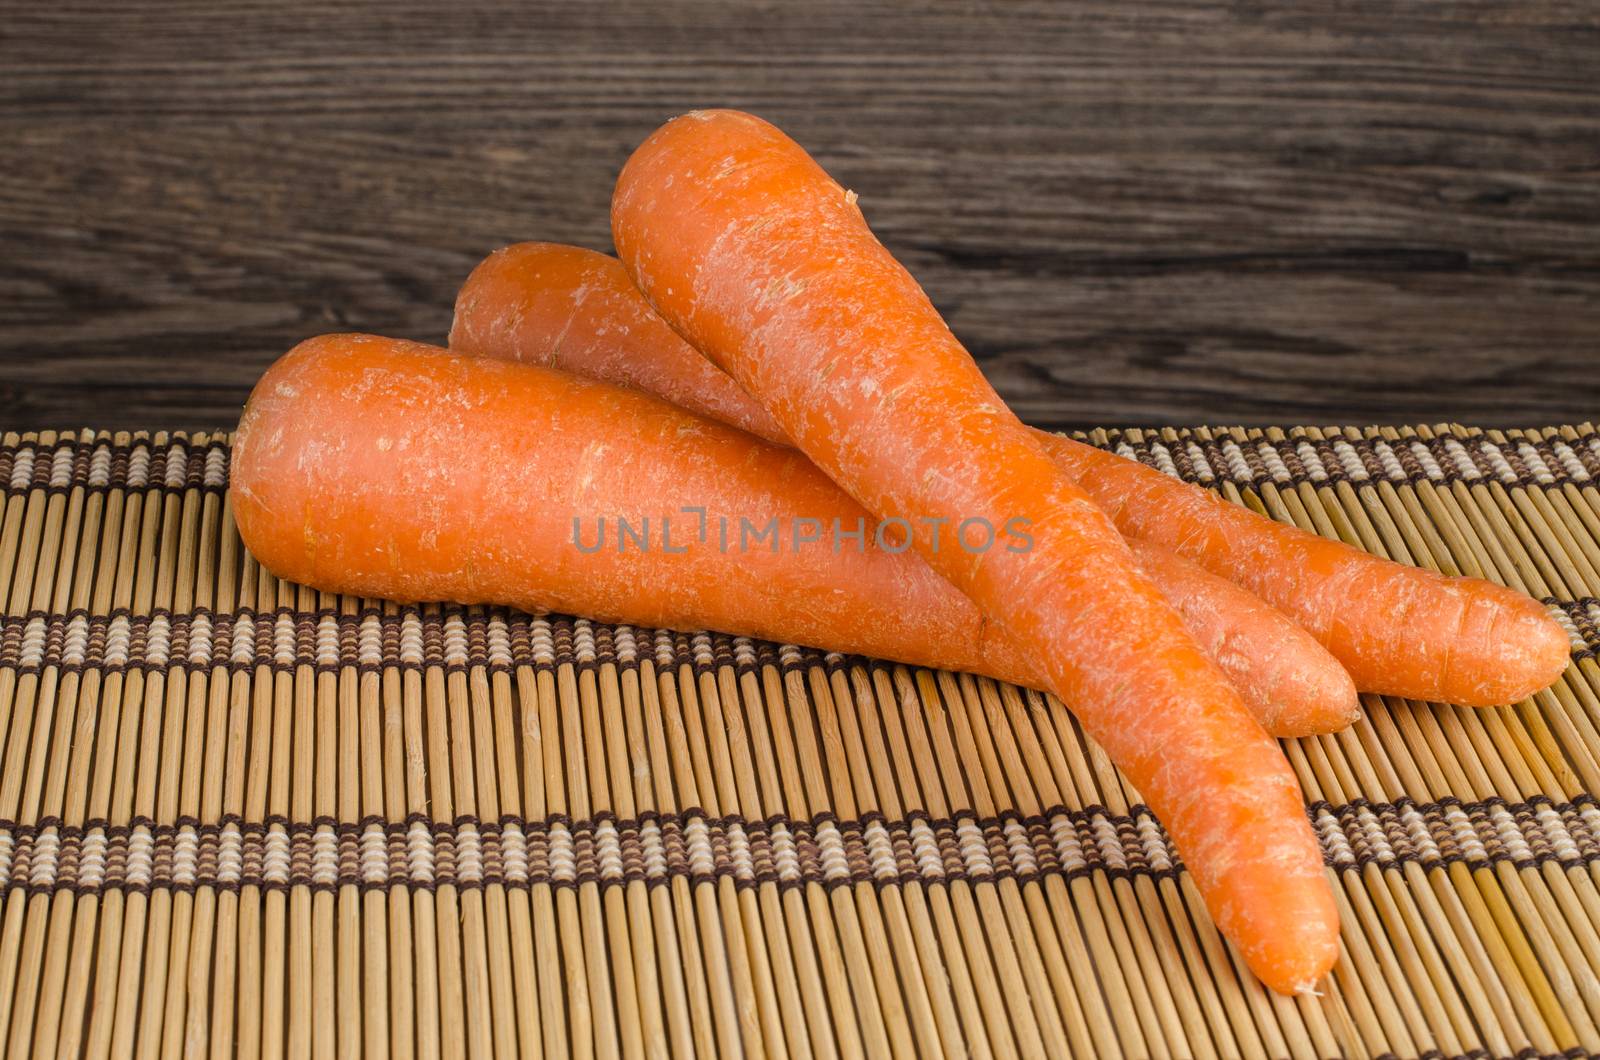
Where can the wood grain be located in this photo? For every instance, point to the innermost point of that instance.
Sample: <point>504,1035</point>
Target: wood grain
<point>1144,212</point>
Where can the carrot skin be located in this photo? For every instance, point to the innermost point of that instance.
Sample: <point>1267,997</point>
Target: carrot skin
<point>380,467</point>
<point>577,310</point>
<point>1397,630</point>
<point>574,309</point>
<point>884,604</point>
<point>751,252</point>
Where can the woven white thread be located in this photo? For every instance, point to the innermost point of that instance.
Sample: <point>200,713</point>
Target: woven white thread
<point>419,853</point>
<point>200,640</point>
<point>177,466</point>
<point>158,641</point>
<point>327,641</point>
<point>831,850</point>
<point>1156,849</point>
<point>563,862</point>
<point>1497,460</point>
<point>139,466</point>
<point>1020,848</point>
<point>61,466</point>
<point>75,644</point>
<point>374,855</point>
<point>1378,845</point>
<point>1238,467</point>
<point>1315,468</point>
<point>1424,456</point>
<point>1273,461</point>
<point>469,855</point>
<point>100,467</point>
<point>785,858</point>
<point>141,857</point>
<point>625,644</point>
<point>1390,462</point>
<point>1462,459</point>
<point>1335,843</point>
<point>369,641</point>
<point>499,642</point>
<point>455,641</point>
<point>22,469</point>
<point>700,649</point>
<point>1420,835</point>
<point>880,851</point>
<point>275,860</point>
<point>92,859</point>
<point>1466,836</point>
<point>242,651</point>
<point>514,853</point>
<point>230,855</point>
<point>738,842</point>
<point>1569,461</point>
<point>925,848</point>
<point>31,651</point>
<point>608,851</point>
<point>45,859</point>
<point>283,641</point>
<point>1535,463</point>
<point>974,851</point>
<point>542,642</point>
<point>118,637</point>
<point>324,858</point>
<point>410,639</point>
<point>1556,833</point>
<point>1069,848</point>
<point>1350,460</point>
<point>1511,837</point>
<point>1108,842</point>
<point>216,472</point>
<point>185,856</point>
<point>1163,458</point>
<point>583,647</point>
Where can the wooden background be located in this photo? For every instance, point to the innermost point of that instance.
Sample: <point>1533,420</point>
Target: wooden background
<point>1134,212</point>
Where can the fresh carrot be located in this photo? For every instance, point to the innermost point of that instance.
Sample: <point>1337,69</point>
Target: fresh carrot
<point>887,604</point>
<point>513,299</point>
<point>1398,630</point>
<point>386,468</point>
<point>577,310</point>
<point>756,256</point>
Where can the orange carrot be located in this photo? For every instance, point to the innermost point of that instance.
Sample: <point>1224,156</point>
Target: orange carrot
<point>1398,630</point>
<point>752,253</point>
<point>386,468</point>
<point>575,309</point>
<point>514,298</point>
<point>884,603</point>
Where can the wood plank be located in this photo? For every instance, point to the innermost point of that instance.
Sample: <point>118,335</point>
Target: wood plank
<point>1133,213</point>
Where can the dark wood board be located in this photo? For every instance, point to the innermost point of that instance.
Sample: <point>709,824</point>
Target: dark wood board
<point>1133,212</point>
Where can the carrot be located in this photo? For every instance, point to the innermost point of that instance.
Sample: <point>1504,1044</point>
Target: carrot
<point>577,310</point>
<point>386,468</point>
<point>752,253</point>
<point>889,604</point>
<point>1397,630</point>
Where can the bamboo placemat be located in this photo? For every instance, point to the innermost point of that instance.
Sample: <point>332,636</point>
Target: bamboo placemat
<point>240,816</point>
